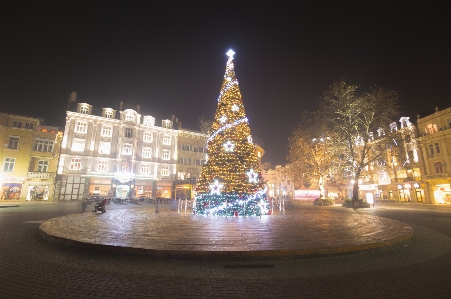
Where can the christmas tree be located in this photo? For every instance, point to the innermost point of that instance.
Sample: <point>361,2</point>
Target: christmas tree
<point>231,182</point>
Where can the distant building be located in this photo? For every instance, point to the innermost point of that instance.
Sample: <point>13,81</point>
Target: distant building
<point>435,140</point>
<point>278,182</point>
<point>29,156</point>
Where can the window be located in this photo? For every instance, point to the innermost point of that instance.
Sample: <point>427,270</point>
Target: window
<point>148,137</point>
<point>185,147</point>
<point>166,154</point>
<point>147,152</point>
<point>9,164</point>
<point>183,175</point>
<point>129,117</point>
<point>127,149</point>
<point>449,123</point>
<point>438,167</point>
<point>437,148</point>
<point>102,166</point>
<point>42,145</point>
<point>125,166</point>
<point>109,114</point>
<point>431,149</point>
<point>84,110</point>
<point>104,148</point>
<point>78,145</point>
<point>75,164</point>
<point>186,161</point>
<point>13,142</point>
<point>167,140</point>
<point>43,165</point>
<point>165,170</point>
<point>17,124</point>
<point>149,121</point>
<point>145,168</point>
<point>107,131</point>
<point>128,132</point>
<point>29,126</point>
<point>199,162</point>
<point>80,127</point>
<point>167,123</point>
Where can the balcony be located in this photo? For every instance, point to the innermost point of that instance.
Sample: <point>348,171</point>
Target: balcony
<point>41,175</point>
<point>406,179</point>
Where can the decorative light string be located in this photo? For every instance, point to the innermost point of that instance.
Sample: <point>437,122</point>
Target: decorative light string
<point>226,88</point>
<point>228,126</point>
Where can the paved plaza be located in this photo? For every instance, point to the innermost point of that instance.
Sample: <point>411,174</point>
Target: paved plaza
<point>417,267</point>
<point>172,234</point>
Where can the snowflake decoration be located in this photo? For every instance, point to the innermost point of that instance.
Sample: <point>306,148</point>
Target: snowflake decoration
<point>249,139</point>
<point>215,188</point>
<point>229,146</point>
<point>223,119</point>
<point>253,176</point>
<point>235,108</point>
<point>229,78</point>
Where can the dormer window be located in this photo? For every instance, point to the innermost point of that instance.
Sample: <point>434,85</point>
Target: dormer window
<point>84,110</point>
<point>166,123</point>
<point>129,117</point>
<point>380,132</point>
<point>149,121</point>
<point>109,114</point>
<point>393,127</point>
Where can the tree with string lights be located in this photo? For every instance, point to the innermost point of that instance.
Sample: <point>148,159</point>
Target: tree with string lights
<point>231,183</point>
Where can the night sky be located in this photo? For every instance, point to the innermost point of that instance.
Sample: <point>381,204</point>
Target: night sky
<point>170,58</point>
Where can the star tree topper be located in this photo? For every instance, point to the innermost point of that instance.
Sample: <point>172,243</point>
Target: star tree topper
<point>253,176</point>
<point>215,188</point>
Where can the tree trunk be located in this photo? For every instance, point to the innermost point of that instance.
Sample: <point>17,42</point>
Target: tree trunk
<point>355,191</point>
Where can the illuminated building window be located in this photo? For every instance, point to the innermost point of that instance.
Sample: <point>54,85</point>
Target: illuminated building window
<point>125,166</point>
<point>166,154</point>
<point>75,164</point>
<point>437,148</point>
<point>13,142</point>
<point>167,123</point>
<point>438,167</point>
<point>104,148</point>
<point>165,170</point>
<point>199,162</point>
<point>17,124</point>
<point>78,145</point>
<point>29,126</point>
<point>128,132</point>
<point>84,110</point>
<point>127,149</point>
<point>186,161</point>
<point>167,140</point>
<point>42,145</point>
<point>431,149</point>
<point>8,165</point>
<point>102,166</point>
<point>109,114</point>
<point>145,168</point>
<point>80,127</point>
<point>129,117</point>
<point>43,165</point>
<point>147,152</point>
<point>148,137</point>
<point>149,121</point>
<point>107,131</point>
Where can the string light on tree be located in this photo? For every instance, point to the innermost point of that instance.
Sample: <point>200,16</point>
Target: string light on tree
<point>232,159</point>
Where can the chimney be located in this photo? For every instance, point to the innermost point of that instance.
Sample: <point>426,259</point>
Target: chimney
<point>172,117</point>
<point>138,106</point>
<point>121,104</point>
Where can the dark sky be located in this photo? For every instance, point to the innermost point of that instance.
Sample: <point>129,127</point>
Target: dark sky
<point>170,57</point>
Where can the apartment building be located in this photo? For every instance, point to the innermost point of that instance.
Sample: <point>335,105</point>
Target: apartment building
<point>435,140</point>
<point>29,156</point>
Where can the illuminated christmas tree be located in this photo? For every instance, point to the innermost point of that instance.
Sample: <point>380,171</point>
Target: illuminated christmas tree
<point>231,182</point>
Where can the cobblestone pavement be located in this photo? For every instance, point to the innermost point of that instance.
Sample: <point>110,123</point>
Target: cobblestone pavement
<point>170,234</point>
<point>419,267</point>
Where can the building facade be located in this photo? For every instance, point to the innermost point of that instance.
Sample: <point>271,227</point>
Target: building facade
<point>29,156</point>
<point>435,140</point>
<point>111,155</point>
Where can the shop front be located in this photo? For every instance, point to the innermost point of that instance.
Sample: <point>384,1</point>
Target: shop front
<point>184,191</point>
<point>11,191</point>
<point>442,193</point>
<point>413,191</point>
<point>38,192</point>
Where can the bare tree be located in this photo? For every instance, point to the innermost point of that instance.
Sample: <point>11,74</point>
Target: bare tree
<point>205,125</point>
<point>353,120</point>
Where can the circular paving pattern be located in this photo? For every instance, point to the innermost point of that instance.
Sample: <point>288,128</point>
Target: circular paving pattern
<point>306,232</point>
